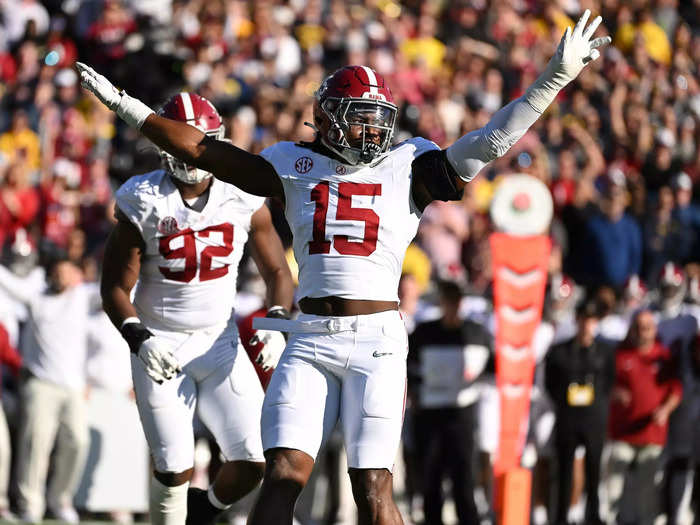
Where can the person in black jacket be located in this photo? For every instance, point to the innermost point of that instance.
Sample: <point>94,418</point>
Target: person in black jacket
<point>445,358</point>
<point>579,375</point>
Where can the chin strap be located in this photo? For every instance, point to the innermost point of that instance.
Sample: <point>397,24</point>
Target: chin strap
<point>312,126</point>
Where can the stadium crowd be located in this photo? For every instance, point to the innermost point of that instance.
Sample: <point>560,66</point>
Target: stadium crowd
<point>619,150</point>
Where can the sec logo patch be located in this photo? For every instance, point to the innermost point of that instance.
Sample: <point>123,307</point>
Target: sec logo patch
<point>340,169</point>
<point>303,164</point>
<point>168,226</point>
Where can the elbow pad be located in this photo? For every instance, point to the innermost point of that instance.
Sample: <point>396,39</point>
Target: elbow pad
<point>437,175</point>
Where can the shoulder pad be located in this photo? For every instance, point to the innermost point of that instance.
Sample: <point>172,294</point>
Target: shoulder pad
<point>419,145</point>
<point>136,196</point>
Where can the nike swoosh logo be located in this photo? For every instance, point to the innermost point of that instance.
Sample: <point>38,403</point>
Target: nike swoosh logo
<point>380,354</point>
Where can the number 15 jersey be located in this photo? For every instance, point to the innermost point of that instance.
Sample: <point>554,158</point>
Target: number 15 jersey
<point>188,270</point>
<point>351,224</point>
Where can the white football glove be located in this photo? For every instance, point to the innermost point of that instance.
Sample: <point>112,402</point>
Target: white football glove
<point>270,354</point>
<point>575,50</point>
<point>161,364</point>
<point>130,109</point>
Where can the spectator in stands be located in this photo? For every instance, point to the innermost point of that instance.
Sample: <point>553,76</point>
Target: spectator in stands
<point>645,393</point>
<point>686,218</point>
<point>53,389</point>
<point>19,200</point>
<point>660,235</point>
<point>20,143</point>
<point>615,238</point>
<point>579,375</point>
<point>446,356</point>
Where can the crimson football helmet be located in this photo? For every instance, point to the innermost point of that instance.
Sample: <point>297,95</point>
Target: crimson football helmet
<point>200,113</point>
<point>355,114</point>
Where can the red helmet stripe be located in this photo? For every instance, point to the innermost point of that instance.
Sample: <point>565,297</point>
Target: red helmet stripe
<point>187,106</point>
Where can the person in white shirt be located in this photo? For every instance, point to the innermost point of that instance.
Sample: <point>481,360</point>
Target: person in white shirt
<point>53,388</point>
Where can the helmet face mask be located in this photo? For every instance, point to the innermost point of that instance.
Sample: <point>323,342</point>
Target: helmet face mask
<point>200,113</point>
<point>355,114</point>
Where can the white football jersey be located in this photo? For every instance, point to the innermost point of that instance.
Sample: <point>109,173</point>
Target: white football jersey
<point>351,224</point>
<point>189,269</point>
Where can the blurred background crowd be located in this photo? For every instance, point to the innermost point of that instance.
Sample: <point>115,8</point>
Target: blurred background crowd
<point>619,150</point>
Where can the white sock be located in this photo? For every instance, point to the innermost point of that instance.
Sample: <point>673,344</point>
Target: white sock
<point>214,500</point>
<point>168,504</point>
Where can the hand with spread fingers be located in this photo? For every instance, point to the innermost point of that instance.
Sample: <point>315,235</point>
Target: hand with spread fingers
<point>575,50</point>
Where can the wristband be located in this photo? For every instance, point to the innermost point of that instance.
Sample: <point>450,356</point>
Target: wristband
<point>278,312</point>
<point>134,333</point>
<point>132,110</point>
<point>128,320</point>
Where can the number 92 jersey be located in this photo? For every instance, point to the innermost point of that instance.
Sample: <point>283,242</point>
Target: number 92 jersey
<point>189,268</point>
<point>351,224</point>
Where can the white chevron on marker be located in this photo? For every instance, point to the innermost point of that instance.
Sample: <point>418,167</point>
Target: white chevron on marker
<point>518,316</point>
<point>521,280</point>
<point>515,353</point>
<point>513,391</point>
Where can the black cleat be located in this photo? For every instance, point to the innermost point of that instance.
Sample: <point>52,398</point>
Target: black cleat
<point>199,510</point>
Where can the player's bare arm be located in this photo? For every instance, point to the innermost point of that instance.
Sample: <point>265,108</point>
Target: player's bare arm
<point>122,263</point>
<point>268,254</point>
<point>225,161</point>
<point>120,271</point>
<point>443,175</point>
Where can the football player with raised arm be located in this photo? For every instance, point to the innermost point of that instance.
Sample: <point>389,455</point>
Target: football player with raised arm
<point>353,203</point>
<point>179,238</point>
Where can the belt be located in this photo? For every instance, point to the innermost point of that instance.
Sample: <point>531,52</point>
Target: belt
<point>315,326</point>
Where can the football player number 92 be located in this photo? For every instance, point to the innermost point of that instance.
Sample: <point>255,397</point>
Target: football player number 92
<point>188,251</point>
<point>344,212</point>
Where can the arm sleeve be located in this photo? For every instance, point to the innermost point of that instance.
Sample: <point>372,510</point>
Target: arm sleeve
<point>434,178</point>
<point>469,154</point>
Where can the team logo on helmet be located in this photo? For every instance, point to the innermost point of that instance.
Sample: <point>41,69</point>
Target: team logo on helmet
<point>168,225</point>
<point>303,165</point>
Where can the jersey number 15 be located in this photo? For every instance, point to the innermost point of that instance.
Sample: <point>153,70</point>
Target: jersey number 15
<point>344,212</point>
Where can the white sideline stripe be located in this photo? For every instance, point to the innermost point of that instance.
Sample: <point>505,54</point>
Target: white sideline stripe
<point>372,80</point>
<point>187,106</point>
